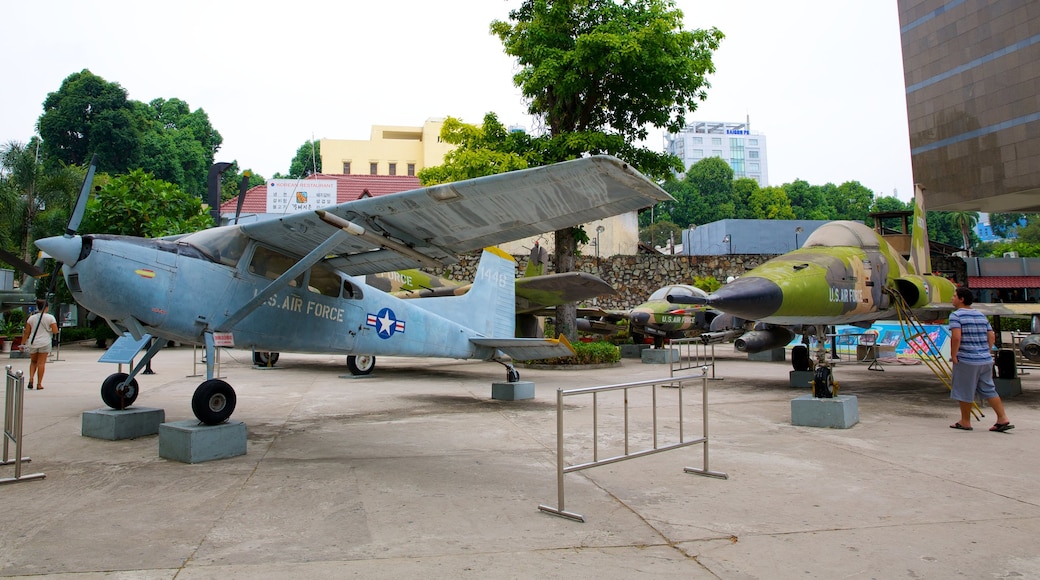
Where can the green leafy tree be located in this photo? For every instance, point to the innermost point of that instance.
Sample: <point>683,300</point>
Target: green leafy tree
<point>770,203</point>
<point>964,221</point>
<point>659,232</point>
<point>743,189</point>
<point>849,201</point>
<point>712,178</point>
<point>1005,224</point>
<point>890,203</point>
<point>807,201</point>
<point>89,115</point>
<point>601,73</point>
<point>479,151</point>
<point>306,162</point>
<point>177,144</point>
<point>689,207</point>
<point>137,204</point>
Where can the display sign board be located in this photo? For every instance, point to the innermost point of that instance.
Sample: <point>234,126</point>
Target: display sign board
<point>285,196</point>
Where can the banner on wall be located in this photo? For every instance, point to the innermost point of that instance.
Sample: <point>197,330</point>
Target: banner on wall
<point>890,341</point>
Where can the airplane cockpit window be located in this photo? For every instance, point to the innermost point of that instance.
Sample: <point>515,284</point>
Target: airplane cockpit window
<point>681,290</point>
<point>842,233</point>
<point>323,281</point>
<point>222,245</point>
<point>271,264</point>
<point>350,291</point>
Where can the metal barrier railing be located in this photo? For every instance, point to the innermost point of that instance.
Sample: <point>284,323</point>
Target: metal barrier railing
<point>13,427</point>
<point>1020,361</point>
<point>693,354</point>
<point>562,468</point>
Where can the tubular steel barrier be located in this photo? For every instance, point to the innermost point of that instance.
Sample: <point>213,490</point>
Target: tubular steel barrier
<point>693,354</point>
<point>562,468</point>
<point>13,427</point>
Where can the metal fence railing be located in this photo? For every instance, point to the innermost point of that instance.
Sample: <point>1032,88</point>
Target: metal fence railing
<point>13,401</point>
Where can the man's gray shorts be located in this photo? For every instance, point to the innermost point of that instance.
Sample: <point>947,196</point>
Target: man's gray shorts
<point>969,379</point>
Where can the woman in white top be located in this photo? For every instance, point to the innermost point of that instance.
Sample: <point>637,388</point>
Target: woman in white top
<point>39,331</point>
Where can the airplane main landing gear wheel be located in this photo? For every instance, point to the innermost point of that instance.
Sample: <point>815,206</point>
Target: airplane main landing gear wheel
<point>262,358</point>
<point>118,397</point>
<point>361,364</point>
<point>213,402</point>
<point>823,383</point>
<point>512,375</point>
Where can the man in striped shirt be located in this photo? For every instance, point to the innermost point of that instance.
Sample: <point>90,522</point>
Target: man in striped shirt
<point>971,352</point>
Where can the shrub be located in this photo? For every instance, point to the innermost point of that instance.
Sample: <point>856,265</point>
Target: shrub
<point>586,353</point>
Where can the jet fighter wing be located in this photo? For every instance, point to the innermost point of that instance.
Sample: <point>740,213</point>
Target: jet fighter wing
<point>535,293</point>
<point>430,226</point>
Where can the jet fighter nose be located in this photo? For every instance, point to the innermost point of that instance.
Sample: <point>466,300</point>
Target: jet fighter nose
<point>749,298</point>
<point>63,249</point>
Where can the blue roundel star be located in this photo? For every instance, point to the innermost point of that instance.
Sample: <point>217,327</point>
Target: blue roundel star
<point>385,323</point>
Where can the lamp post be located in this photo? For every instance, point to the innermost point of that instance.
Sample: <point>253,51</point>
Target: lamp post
<point>728,239</point>
<point>797,231</point>
<point>599,230</point>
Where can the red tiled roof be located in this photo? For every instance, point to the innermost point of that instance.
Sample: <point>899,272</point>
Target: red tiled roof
<point>348,188</point>
<point>1003,281</point>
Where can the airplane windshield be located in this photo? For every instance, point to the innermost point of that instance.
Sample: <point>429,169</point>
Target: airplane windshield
<point>842,233</point>
<point>677,291</point>
<point>222,245</point>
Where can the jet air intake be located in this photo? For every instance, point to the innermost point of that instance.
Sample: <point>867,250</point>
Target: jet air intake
<point>913,290</point>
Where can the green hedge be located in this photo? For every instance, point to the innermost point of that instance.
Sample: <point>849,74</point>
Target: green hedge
<point>587,353</point>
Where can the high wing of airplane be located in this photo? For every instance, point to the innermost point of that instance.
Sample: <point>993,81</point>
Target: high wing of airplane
<point>845,273</point>
<point>295,283</point>
<point>658,317</point>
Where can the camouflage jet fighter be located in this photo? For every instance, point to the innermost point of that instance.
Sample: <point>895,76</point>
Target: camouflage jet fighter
<point>659,317</point>
<point>846,273</point>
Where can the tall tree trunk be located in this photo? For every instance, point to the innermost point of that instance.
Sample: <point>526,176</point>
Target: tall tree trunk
<point>566,314</point>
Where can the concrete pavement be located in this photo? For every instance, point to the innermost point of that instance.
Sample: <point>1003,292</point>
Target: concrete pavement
<point>415,471</point>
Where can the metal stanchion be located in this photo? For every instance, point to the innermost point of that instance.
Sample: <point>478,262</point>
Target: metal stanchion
<point>13,427</point>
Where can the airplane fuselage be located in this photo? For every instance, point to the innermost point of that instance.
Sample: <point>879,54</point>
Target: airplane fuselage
<point>171,290</point>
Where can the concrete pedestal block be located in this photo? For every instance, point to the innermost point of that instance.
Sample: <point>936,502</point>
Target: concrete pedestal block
<point>633,350</point>
<point>112,424</point>
<point>1007,388</point>
<point>773,355</point>
<point>192,442</point>
<point>802,379</point>
<point>840,412</point>
<point>659,356</point>
<point>512,391</point>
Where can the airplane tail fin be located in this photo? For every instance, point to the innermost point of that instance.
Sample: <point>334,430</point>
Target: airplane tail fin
<point>920,254</point>
<point>489,306</point>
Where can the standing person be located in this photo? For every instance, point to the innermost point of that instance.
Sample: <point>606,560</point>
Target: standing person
<point>971,347</point>
<point>39,331</point>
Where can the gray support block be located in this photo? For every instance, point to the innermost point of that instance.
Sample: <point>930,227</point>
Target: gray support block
<point>660,356</point>
<point>840,412</point>
<point>772,355</point>
<point>1008,388</point>
<point>112,424</point>
<point>512,391</point>
<point>633,350</point>
<point>802,379</point>
<point>192,442</point>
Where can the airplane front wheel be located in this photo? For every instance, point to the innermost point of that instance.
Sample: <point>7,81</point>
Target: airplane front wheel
<point>213,402</point>
<point>263,358</point>
<point>118,397</point>
<point>361,364</point>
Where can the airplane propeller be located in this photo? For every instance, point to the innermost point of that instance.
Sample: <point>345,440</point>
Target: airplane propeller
<point>68,250</point>
<point>20,264</point>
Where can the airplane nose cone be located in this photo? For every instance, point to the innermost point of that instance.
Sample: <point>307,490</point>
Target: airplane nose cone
<point>748,298</point>
<point>61,248</point>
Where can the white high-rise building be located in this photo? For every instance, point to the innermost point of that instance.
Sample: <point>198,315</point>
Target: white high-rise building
<point>743,149</point>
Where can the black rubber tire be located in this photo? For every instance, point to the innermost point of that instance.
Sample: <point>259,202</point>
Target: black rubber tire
<point>800,358</point>
<point>115,397</point>
<point>361,364</point>
<point>823,383</point>
<point>263,358</point>
<point>213,402</point>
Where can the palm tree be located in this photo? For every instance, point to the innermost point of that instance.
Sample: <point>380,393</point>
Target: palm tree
<point>965,220</point>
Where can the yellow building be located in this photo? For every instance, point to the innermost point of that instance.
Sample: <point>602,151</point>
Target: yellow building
<point>391,150</point>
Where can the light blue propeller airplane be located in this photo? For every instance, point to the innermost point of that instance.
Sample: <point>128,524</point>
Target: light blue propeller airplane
<point>296,283</point>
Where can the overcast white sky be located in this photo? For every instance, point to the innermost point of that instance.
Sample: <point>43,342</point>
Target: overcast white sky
<point>822,79</point>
